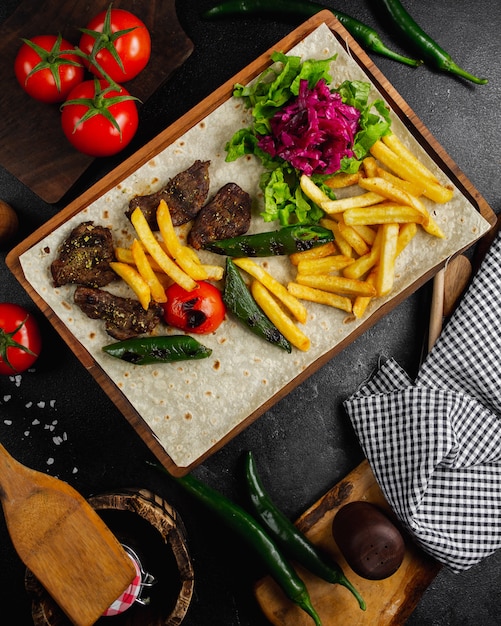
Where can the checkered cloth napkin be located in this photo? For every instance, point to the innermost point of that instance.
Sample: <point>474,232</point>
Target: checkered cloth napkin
<point>129,596</point>
<point>434,444</point>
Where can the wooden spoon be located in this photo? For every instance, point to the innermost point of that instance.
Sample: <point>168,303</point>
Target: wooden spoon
<point>63,541</point>
<point>449,285</point>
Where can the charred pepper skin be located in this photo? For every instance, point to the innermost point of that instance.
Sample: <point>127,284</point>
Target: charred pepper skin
<point>161,349</point>
<point>429,50</point>
<point>293,542</point>
<point>238,520</point>
<point>286,240</point>
<point>364,34</point>
<point>240,302</point>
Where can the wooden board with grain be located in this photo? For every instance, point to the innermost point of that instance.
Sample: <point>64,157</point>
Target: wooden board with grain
<point>169,137</point>
<point>389,601</point>
<point>34,148</point>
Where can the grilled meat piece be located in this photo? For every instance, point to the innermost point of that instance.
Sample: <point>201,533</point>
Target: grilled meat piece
<point>124,317</point>
<point>84,257</point>
<point>228,214</point>
<point>184,194</point>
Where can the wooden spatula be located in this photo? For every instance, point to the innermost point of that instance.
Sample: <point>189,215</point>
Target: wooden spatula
<point>63,541</point>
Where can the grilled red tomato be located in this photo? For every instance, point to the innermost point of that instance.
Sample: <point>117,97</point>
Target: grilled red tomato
<point>199,311</point>
<point>20,341</point>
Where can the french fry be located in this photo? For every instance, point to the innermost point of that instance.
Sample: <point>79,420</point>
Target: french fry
<point>158,253</point>
<point>185,257</point>
<point>277,316</point>
<point>386,266</point>
<point>311,190</point>
<point>144,268</point>
<point>367,233</point>
<point>166,228</point>
<point>342,179</point>
<point>337,284</point>
<point>405,235</point>
<point>317,252</point>
<point>297,309</point>
<point>350,235</point>
<point>325,265</point>
<point>163,279</point>
<point>384,213</point>
<point>396,194</point>
<point>214,272</point>
<point>432,190</point>
<point>341,243</point>
<point>350,202</point>
<point>412,188</point>
<point>362,265</point>
<point>395,144</point>
<point>392,192</point>
<point>370,166</point>
<point>192,267</point>
<point>124,255</point>
<point>135,281</point>
<point>361,303</point>
<point>320,297</point>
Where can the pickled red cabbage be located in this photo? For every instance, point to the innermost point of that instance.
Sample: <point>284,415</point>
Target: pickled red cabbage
<point>314,131</point>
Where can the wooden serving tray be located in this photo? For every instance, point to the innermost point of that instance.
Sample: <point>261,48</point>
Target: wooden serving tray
<point>168,138</point>
<point>389,601</point>
<point>34,148</point>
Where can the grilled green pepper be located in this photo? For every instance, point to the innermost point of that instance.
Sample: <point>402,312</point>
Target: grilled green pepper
<point>286,240</point>
<point>424,45</point>
<point>240,302</point>
<point>238,520</point>
<point>161,349</point>
<point>365,35</point>
<point>293,542</point>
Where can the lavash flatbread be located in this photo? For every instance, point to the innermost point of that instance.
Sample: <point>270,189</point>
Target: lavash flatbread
<point>193,405</point>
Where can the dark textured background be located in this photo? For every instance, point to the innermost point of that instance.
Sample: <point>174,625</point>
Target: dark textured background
<point>56,419</point>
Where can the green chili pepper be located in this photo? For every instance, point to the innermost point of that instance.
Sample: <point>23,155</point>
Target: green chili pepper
<point>161,349</point>
<point>286,240</point>
<point>253,533</point>
<point>240,302</point>
<point>430,51</point>
<point>293,542</point>
<point>365,35</point>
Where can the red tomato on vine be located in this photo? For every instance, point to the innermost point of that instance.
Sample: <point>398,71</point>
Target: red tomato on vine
<point>20,340</point>
<point>119,42</point>
<point>98,120</point>
<point>47,69</point>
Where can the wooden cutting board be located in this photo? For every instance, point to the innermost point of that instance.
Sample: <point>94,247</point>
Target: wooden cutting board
<point>389,601</point>
<point>34,148</point>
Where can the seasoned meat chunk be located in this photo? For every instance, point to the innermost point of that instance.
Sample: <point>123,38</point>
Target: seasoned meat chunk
<point>123,317</point>
<point>185,194</point>
<point>84,257</point>
<point>228,214</point>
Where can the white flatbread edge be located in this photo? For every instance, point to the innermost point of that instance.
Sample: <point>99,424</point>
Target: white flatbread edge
<point>191,406</point>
